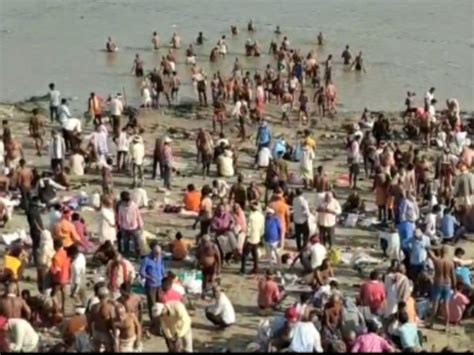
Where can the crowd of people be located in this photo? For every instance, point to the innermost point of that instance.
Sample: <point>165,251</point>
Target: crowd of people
<point>423,192</point>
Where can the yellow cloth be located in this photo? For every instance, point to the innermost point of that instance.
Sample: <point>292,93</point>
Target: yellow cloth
<point>310,142</point>
<point>175,321</point>
<point>13,264</point>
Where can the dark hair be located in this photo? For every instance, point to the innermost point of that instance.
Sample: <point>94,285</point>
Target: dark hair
<point>305,297</point>
<point>73,251</point>
<point>125,196</point>
<point>22,162</point>
<point>374,275</point>
<point>35,111</point>
<point>178,236</point>
<point>126,288</point>
<point>98,285</point>
<point>57,244</point>
<point>76,216</point>
<point>63,101</point>
<point>436,208</point>
<point>51,86</point>
<point>459,252</point>
<point>191,187</point>
<point>403,317</point>
<point>372,326</point>
<point>298,191</point>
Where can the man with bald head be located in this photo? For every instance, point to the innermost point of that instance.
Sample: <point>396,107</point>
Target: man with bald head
<point>13,306</point>
<point>100,321</point>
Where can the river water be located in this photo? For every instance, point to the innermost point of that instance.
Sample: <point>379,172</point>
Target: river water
<point>407,44</point>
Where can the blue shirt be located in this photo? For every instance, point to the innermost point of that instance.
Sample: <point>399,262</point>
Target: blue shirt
<point>418,253</point>
<point>264,135</point>
<point>409,336</point>
<point>406,230</point>
<point>464,274</point>
<point>152,269</point>
<point>272,232</point>
<point>408,211</point>
<point>448,225</point>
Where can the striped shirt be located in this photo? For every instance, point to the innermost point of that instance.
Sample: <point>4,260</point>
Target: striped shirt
<point>129,217</point>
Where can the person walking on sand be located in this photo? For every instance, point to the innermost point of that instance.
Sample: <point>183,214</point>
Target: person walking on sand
<point>37,130</point>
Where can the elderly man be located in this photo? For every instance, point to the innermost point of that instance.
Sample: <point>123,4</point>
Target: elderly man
<point>328,210</point>
<point>152,270</point>
<point>222,312</point>
<point>176,325</point>
<point>23,337</point>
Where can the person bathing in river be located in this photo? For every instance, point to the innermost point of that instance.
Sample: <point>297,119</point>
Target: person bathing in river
<point>358,63</point>
<point>110,46</point>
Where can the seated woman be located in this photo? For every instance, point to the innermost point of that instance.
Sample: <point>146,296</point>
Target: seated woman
<point>225,164</point>
<point>354,203</point>
<point>269,294</point>
<point>322,275</point>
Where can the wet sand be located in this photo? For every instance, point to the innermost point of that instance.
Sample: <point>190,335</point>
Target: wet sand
<point>241,290</point>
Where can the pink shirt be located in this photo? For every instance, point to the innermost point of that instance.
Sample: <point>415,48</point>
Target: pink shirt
<point>372,294</point>
<point>129,217</point>
<point>171,295</point>
<point>457,306</point>
<point>371,343</point>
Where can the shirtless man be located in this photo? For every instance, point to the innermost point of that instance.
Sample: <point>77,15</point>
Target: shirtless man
<point>155,40</point>
<point>346,56</point>
<point>13,151</point>
<point>331,97</point>
<point>128,331</point>
<point>131,301</point>
<point>209,259</point>
<point>320,39</point>
<point>37,130</point>
<point>444,282</point>
<point>110,46</point>
<point>25,183</point>
<point>358,63</point>
<point>137,66</point>
<point>175,41</point>
<point>101,322</point>
<point>13,306</point>
<point>205,149</point>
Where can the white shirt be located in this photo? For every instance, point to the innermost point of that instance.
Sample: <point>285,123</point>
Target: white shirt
<point>57,148</point>
<point>137,151</point>
<point>306,338</point>
<point>329,219</point>
<point>264,156</point>
<point>146,95</point>
<point>123,143</point>
<point>430,225</point>
<point>72,124</point>
<point>140,197</point>
<point>23,337</point>
<point>428,97</point>
<point>54,98</point>
<point>318,254</point>
<point>222,189</point>
<point>116,107</point>
<point>307,157</point>
<point>224,308</point>
<point>77,163</point>
<point>225,165</point>
<point>107,225</point>
<point>78,270</point>
<point>255,227</point>
<point>300,210</point>
<point>63,113</point>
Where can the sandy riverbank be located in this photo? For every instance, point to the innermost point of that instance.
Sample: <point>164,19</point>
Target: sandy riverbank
<point>331,153</point>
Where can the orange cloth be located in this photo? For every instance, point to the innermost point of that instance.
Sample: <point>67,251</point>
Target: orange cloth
<point>282,210</point>
<point>61,267</point>
<point>179,249</point>
<point>192,201</point>
<point>411,310</point>
<point>66,231</point>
